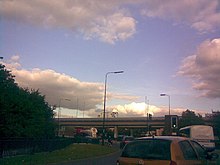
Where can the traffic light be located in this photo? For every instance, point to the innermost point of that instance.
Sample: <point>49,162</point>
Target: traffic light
<point>174,122</point>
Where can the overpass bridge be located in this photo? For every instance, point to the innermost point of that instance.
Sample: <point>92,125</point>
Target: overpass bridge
<point>126,122</point>
<point>155,123</point>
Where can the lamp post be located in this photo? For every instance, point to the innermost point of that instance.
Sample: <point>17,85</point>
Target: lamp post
<point>77,105</point>
<point>59,114</point>
<point>163,94</point>
<point>148,114</point>
<point>103,122</point>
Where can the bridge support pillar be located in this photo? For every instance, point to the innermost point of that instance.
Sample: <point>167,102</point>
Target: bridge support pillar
<point>131,132</point>
<point>116,132</point>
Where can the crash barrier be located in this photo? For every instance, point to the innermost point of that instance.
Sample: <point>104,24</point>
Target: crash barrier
<point>22,146</point>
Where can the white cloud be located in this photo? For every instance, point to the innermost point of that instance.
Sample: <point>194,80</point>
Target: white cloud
<point>120,96</point>
<point>140,109</point>
<point>110,21</point>
<point>113,28</point>
<point>94,18</point>
<point>57,87</point>
<point>135,109</point>
<point>204,68</point>
<point>13,63</point>
<point>86,97</point>
<point>202,15</point>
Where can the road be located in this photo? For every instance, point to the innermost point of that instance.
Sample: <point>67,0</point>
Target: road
<point>107,160</point>
<point>104,160</point>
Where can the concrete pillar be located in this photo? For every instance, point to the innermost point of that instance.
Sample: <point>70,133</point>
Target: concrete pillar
<point>131,132</point>
<point>116,132</point>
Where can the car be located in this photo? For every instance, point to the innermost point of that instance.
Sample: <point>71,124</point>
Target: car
<point>165,150</point>
<point>125,140</point>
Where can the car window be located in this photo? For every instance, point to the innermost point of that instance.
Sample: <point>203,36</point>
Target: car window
<point>188,151</point>
<point>185,132</point>
<point>199,149</point>
<point>148,149</point>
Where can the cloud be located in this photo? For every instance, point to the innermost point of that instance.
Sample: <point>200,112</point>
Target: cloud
<point>141,109</point>
<point>202,15</point>
<point>93,18</point>
<point>13,63</point>
<point>58,87</point>
<point>135,109</point>
<point>122,96</point>
<point>86,98</point>
<point>111,21</point>
<point>113,28</point>
<point>204,67</point>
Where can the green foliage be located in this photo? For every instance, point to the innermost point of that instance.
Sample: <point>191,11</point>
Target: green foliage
<point>216,122</point>
<point>190,118</point>
<point>23,113</point>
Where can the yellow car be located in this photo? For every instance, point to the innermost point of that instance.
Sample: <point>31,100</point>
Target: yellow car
<point>165,150</point>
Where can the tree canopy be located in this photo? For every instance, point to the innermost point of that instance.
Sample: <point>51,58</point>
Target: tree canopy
<point>216,122</point>
<point>23,112</point>
<point>190,118</point>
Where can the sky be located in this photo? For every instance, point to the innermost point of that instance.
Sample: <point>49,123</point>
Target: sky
<point>65,48</point>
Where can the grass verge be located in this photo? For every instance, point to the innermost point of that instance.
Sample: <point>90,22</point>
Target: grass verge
<point>72,152</point>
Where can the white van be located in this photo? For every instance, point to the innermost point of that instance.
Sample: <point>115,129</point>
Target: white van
<point>203,134</point>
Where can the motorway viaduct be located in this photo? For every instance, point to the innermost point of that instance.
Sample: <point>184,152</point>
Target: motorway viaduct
<point>155,123</point>
<point>126,122</point>
<point>134,122</point>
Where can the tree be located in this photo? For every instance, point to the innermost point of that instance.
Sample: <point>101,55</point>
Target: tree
<point>23,112</point>
<point>190,118</point>
<point>216,122</point>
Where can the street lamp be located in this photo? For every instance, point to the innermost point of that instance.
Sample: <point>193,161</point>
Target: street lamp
<point>59,114</point>
<point>77,105</point>
<point>163,94</point>
<point>103,122</point>
<point>1,58</point>
<point>148,114</point>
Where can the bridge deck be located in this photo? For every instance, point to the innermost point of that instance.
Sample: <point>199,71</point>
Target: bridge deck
<point>112,122</point>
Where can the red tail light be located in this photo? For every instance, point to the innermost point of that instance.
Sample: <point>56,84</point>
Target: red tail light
<point>173,163</point>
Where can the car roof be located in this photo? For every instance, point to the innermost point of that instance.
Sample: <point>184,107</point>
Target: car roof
<point>171,138</point>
